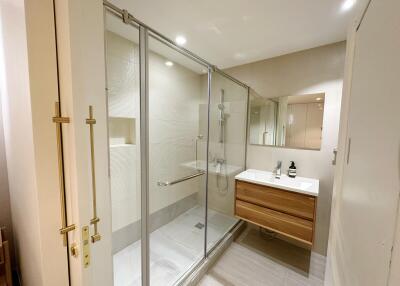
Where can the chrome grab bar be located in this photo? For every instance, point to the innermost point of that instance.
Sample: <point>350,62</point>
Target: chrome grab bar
<point>167,183</point>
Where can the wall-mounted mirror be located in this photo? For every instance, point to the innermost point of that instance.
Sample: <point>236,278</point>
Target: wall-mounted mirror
<point>288,121</point>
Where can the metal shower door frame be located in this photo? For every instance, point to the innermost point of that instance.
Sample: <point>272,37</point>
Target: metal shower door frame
<point>144,33</point>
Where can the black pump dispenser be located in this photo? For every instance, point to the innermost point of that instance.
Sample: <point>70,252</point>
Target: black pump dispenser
<point>292,170</point>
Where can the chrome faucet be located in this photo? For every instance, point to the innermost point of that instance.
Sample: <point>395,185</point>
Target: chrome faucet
<point>277,171</point>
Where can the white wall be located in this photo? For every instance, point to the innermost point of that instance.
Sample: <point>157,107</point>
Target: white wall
<point>16,83</point>
<point>318,70</point>
<point>5,207</point>
<point>122,96</point>
<point>122,75</point>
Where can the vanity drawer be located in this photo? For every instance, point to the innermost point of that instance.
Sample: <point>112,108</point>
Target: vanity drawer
<point>280,200</point>
<point>285,224</point>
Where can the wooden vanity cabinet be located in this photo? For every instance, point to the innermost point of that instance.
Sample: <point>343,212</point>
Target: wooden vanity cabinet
<point>285,212</point>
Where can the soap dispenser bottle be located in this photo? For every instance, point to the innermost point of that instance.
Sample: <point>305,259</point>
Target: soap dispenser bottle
<point>292,170</point>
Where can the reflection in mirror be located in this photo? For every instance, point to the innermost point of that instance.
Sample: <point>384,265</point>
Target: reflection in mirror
<point>288,121</point>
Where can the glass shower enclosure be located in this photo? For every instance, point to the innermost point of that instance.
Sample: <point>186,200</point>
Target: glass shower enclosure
<point>177,137</point>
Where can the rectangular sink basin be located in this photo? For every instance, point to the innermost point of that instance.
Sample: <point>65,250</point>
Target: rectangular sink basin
<point>299,184</point>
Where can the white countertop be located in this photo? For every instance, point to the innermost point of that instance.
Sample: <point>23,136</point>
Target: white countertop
<point>299,184</point>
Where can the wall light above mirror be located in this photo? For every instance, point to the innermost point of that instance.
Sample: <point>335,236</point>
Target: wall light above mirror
<point>294,121</point>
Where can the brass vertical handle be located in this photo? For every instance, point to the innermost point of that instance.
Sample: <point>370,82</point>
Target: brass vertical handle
<point>91,121</point>
<point>59,120</point>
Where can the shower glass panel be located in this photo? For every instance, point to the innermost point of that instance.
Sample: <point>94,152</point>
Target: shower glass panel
<point>228,113</point>
<point>122,61</point>
<point>177,156</point>
<point>196,142</point>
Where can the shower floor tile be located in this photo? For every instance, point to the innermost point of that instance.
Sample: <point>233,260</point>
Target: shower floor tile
<point>174,248</point>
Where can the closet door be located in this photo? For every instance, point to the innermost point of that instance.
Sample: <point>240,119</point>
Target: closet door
<point>371,176</point>
<point>81,63</point>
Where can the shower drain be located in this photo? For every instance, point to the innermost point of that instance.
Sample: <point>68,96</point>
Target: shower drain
<point>199,225</point>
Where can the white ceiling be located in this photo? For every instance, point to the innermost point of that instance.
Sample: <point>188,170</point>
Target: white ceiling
<point>234,32</point>
<point>307,98</point>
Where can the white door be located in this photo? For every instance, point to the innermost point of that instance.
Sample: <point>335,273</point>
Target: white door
<point>81,65</point>
<point>371,176</point>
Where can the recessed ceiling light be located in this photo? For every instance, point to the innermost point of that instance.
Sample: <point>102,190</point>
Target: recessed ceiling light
<point>169,63</point>
<point>180,40</point>
<point>348,4</point>
<point>318,98</point>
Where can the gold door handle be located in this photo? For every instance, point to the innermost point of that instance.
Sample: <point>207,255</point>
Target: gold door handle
<point>59,120</point>
<point>91,121</point>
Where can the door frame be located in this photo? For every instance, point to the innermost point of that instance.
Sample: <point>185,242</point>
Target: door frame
<point>144,153</point>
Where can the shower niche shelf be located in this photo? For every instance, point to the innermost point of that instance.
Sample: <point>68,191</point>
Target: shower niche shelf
<point>122,131</point>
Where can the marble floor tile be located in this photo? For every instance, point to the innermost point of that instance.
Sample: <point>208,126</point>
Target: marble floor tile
<point>174,248</point>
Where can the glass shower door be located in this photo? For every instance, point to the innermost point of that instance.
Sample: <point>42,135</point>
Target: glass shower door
<point>123,89</point>
<point>177,88</point>
<point>227,148</point>
<point>172,189</point>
